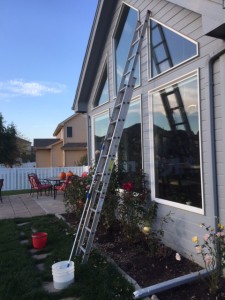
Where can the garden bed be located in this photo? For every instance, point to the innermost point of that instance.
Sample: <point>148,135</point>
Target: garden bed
<point>147,270</point>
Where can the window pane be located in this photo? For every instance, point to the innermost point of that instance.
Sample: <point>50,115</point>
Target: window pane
<point>122,40</point>
<point>69,132</point>
<point>176,143</point>
<point>100,129</point>
<point>103,91</point>
<point>130,145</point>
<point>168,48</point>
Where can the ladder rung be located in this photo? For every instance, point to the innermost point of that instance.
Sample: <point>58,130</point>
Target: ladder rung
<point>123,89</point>
<point>88,229</point>
<point>82,249</point>
<point>132,56</point>
<point>139,27</point>
<point>92,209</point>
<point>181,123</point>
<point>136,41</point>
<point>125,74</point>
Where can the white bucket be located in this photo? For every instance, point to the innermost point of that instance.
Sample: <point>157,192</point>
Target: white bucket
<point>63,276</point>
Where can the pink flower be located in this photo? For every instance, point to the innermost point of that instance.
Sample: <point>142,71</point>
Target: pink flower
<point>178,256</point>
<point>220,234</point>
<point>208,259</point>
<point>206,237</point>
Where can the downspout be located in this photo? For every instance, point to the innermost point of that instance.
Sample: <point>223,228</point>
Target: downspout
<point>89,140</point>
<point>160,287</point>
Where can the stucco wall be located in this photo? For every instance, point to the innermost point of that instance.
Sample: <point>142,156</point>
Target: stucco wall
<point>43,158</point>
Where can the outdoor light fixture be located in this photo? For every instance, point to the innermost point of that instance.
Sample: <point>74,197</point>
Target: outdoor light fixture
<point>223,4</point>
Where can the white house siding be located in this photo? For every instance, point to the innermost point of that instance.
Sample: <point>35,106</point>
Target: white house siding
<point>186,224</point>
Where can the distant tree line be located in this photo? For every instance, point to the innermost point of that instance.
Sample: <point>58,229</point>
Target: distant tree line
<point>9,151</point>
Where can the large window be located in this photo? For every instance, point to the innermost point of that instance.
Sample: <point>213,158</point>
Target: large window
<point>101,123</point>
<point>168,48</point>
<point>122,42</point>
<point>176,143</point>
<point>102,95</point>
<point>130,154</point>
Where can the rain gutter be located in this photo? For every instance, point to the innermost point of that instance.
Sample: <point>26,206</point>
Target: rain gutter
<point>166,285</point>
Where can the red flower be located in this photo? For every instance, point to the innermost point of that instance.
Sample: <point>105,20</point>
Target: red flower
<point>128,186</point>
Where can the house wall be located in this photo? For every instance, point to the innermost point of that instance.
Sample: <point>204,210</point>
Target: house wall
<point>57,155</point>
<point>185,223</point>
<point>79,132</point>
<point>72,157</point>
<point>43,158</point>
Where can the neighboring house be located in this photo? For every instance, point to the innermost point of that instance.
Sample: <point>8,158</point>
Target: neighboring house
<point>176,121</point>
<point>25,150</point>
<point>69,146</point>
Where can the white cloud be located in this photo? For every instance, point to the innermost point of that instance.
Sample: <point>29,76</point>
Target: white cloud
<point>18,87</point>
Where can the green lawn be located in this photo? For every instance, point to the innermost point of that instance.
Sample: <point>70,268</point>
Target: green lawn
<point>21,279</point>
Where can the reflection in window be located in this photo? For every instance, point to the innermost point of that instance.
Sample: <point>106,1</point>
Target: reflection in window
<point>122,42</point>
<point>130,157</point>
<point>168,48</point>
<point>176,143</point>
<point>102,95</point>
<point>101,123</point>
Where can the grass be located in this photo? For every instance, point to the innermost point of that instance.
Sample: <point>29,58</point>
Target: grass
<point>15,192</point>
<point>21,279</point>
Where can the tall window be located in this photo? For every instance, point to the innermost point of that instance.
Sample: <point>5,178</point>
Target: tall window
<point>130,154</point>
<point>122,42</point>
<point>69,131</point>
<point>168,48</point>
<point>176,143</point>
<point>101,123</point>
<point>102,94</point>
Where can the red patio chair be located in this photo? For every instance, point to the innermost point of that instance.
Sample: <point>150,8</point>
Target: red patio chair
<point>63,185</point>
<point>1,184</point>
<point>38,185</point>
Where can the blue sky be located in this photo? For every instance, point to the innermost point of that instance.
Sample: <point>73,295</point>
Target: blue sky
<point>42,46</point>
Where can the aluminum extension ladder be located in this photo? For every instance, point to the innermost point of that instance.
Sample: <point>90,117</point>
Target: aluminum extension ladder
<point>96,195</point>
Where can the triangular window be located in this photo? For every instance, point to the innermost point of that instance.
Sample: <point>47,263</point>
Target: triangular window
<point>168,48</point>
<point>102,95</point>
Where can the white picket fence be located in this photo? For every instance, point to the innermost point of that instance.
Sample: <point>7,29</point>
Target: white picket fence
<point>17,178</point>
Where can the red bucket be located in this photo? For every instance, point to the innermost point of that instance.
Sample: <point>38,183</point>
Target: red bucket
<point>39,239</point>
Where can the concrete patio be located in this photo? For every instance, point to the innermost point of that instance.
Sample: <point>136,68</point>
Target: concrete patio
<point>26,205</point>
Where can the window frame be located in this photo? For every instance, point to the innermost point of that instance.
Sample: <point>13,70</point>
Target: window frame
<point>152,148</point>
<point>114,49</point>
<point>149,49</point>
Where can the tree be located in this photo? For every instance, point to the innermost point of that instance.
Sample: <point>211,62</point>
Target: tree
<point>8,145</point>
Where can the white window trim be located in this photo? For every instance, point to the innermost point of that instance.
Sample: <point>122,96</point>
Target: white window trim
<point>149,50</point>
<point>152,169</point>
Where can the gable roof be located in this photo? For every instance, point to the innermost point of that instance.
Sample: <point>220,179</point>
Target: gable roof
<point>43,143</point>
<point>103,18</point>
<point>74,146</point>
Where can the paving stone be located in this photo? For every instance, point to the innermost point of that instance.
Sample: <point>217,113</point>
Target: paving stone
<point>23,242</point>
<point>22,224</point>
<point>48,286</point>
<point>41,267</point>
<point>33,251</point>
<point>40,256</point>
